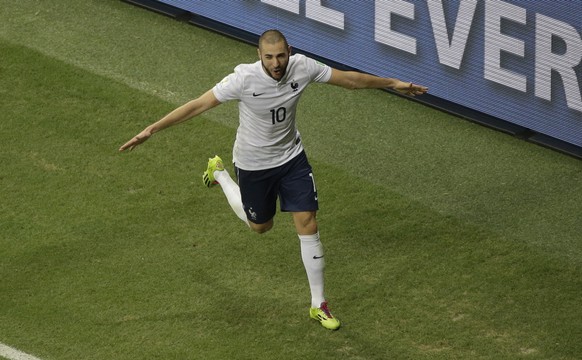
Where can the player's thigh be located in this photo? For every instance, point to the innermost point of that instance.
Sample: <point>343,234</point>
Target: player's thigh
<point>258,194</point>
<point>297,190</point>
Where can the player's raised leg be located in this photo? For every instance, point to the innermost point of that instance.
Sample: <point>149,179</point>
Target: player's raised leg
<point>217,174</point>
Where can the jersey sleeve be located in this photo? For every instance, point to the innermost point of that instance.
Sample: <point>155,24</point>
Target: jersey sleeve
<point>318,72</point>
<point>230,88</point>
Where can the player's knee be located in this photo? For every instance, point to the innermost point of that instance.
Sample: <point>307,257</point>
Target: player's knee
<point>308,228</point>
<point>305,222</point>
<point>261,228</point>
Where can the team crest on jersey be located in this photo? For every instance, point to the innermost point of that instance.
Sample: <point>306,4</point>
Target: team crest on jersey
<point>294,86</point>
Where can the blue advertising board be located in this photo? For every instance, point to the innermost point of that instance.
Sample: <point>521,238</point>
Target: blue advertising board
<point>516,60</point>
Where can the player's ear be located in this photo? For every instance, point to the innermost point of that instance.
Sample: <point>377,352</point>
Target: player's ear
<point>289,49</point>
<point>259,52</point>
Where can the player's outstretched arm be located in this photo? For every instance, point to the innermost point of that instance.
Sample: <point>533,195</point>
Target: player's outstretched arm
<point>357,80</point>
<point>185,112</point>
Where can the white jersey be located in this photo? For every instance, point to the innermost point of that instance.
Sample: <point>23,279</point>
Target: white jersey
<point>267,135</point>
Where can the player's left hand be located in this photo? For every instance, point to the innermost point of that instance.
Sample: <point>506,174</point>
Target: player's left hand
<point>411,89</point>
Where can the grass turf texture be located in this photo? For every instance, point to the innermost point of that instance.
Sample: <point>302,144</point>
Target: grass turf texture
<point>444,239</point>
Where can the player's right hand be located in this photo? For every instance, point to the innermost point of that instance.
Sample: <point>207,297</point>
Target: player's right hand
<point>136,140</point>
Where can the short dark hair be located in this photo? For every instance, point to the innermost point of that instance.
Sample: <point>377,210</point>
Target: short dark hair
<point>272,37</point>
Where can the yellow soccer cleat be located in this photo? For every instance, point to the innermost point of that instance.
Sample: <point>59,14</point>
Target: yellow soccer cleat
<point>324,316</point>
<point>214,164</point>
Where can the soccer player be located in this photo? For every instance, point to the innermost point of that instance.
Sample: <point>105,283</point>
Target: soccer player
<point>268,155</point>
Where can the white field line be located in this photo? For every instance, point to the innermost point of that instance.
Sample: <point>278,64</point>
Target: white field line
<point>14,354</point>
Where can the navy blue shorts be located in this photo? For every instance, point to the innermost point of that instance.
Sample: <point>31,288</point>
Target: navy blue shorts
<point>292,183</point>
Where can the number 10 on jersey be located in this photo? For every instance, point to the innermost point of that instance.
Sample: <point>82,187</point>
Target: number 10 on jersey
<point>278,115</point>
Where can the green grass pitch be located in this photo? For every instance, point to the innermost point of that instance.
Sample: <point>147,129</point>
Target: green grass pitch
<point>444,239</point>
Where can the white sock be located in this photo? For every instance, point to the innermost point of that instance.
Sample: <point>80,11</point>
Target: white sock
<point>312,255</point>
<point>232,192</point>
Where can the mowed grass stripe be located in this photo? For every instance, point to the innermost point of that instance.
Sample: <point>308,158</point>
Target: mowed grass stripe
<point>127,256</point>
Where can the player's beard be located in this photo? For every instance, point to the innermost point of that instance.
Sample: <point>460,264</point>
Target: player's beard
<point>282,71</point>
